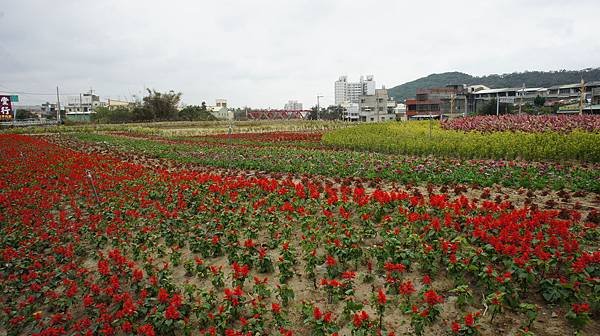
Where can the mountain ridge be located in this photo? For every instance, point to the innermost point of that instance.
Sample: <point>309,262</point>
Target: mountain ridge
<point>515,79</point>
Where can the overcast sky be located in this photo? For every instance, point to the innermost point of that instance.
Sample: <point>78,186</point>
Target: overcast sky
<point>262,53</point>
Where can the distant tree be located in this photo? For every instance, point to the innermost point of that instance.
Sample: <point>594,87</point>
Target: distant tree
<point>195,112</point>
<point>118,115</point>
<point>101,115</point>
<point>548,109</point>
<point>539,101</point>
<point>489,108</point>
<point>189,112</point>
<point>529,109</point>
<point>239,114</point>
<point>313,115</point>
<point>333,112</point>
<point>161,105</point>
<point>24,114</point>
<point>142,113</point>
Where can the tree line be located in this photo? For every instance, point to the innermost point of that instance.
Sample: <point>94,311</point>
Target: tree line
<point>538,107</point>
<point>156,106</point>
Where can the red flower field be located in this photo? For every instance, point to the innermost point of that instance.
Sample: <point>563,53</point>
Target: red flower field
<point>94,245</point>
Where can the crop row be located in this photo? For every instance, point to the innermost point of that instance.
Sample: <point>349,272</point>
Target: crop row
<point>526,123</point>
<point>358,164</point>
<point>268,137</point>
<point>93,245</point>
<point>428,138</point>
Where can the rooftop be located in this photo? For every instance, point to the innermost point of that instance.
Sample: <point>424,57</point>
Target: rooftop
<point>573,86</point>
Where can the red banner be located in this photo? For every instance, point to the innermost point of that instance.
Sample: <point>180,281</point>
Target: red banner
<point>6,111</point>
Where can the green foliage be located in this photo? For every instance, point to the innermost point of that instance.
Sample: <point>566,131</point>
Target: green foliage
<point>554,291</point>
<point>332,112</point>
<point>491,108</point>
<point>24,114</point>
<point>195,112</point>
<point>578,320</point>
<point>539,101</point>
<point>106,115</point>
<point>162,105</point>
<point>531,312</point>
<point>157,105</point>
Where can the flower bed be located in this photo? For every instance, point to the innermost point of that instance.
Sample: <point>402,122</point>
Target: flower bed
<point>93,245</point>
<point>269,137</point>
<point>345,163</point>
<point>526,123</point>
<point>429,138</point>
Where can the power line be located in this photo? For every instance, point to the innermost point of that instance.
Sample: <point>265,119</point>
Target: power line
<point>8,90</point>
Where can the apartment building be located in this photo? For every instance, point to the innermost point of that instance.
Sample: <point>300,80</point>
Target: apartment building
<point>456,100</point>
<point>377,107</point>
<point>374,107</point>
<point>81,108</point>
<point>350,92</point>
<point>293,105</point>
<point>84,104</point>
<point>451,100</point>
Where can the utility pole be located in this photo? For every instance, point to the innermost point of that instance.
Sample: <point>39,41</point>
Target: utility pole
<point>581,97</point>
<point>430,123</point>
<point>57,105</point>
<point>452,98</point>
<point>522,94</point>
<point>497,105</point>
<point>318,108</point>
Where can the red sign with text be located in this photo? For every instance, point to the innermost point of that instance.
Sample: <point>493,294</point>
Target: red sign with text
<point>6,111</point>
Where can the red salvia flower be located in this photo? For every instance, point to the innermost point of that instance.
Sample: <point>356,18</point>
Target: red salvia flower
<point>381,298</point>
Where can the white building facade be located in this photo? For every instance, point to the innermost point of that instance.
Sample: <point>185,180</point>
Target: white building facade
<point>350,92</point>
<point>376,107</point>
<point>220,110</point>
<point>84,104</point>
<point>293,105</point>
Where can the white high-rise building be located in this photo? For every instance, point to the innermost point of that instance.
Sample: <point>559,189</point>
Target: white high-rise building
<point>293,105</point>
<point>340,89</point>
<point>350,92</point>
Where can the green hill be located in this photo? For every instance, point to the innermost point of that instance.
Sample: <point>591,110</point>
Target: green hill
<point>515,79</point>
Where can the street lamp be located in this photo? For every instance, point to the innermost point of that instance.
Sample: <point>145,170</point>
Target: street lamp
<point>318,107</point>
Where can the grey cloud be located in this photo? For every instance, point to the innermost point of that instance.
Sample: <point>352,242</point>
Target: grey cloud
<point>263,52</point>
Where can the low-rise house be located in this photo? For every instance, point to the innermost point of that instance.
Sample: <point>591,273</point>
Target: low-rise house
<point>220,110</point>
